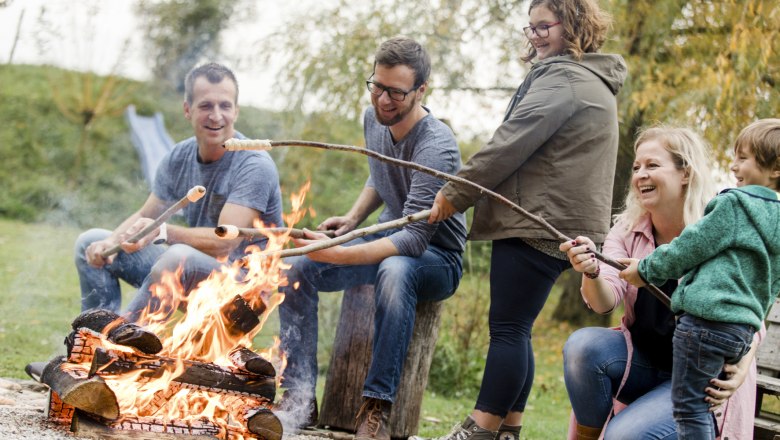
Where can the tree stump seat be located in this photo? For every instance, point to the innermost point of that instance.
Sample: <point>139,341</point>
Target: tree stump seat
<point>351,359</point>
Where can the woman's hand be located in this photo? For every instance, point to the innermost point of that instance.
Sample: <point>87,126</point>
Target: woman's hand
<point>734,376</point>
<point>580,253</point>
<point>442,209</point>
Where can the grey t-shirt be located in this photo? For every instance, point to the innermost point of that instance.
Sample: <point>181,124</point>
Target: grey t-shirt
<point>245,178</point>
<point>405,191</point>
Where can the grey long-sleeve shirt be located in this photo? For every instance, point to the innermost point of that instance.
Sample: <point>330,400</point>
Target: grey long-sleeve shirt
<point>405,191</point>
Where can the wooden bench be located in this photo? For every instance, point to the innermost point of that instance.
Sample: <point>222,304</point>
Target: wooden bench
<point>767,423</point>
<point>351,358</point>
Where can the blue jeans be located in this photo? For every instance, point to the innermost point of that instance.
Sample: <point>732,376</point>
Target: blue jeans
<point>594,360</point>
<point>399,282</point>
<point>100,287</point>
<point>701,347</point>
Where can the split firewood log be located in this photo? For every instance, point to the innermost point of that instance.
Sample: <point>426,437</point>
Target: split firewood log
<point>116,329</point>
<point>265,424</point>
<point>198,374</point>
<point>75,387</point>
<point>248,360</point>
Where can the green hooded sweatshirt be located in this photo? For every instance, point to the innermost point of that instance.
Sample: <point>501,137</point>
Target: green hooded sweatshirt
<point>729,260</point>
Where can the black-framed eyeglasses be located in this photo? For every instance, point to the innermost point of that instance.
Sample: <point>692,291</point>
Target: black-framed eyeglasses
<point>377,89</point>
<point>541,31</point>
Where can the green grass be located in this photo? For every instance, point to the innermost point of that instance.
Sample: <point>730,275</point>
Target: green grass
<point>41,297</point>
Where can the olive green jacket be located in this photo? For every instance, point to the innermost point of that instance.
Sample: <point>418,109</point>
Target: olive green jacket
<point>554,154</point>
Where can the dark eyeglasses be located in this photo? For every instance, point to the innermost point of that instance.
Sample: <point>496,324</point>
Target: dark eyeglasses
<point>542,31</point>
<point>377,89</point>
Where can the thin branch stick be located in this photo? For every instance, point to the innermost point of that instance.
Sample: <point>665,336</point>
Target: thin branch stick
<point>193,195</point>
<point>357,233</point>
<point>229,232</point>
<point>259,144</point>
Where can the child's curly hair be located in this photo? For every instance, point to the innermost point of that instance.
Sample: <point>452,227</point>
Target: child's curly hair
<point>584,24</point>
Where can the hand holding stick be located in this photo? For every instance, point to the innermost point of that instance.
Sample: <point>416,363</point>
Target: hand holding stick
<point>193,195</point>
<point>229,232</point>
<point>362,232</point>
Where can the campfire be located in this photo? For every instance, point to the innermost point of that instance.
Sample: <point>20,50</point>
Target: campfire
<point>180,370</point>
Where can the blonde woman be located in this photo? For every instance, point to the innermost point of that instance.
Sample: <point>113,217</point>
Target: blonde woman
<point>631,366</point>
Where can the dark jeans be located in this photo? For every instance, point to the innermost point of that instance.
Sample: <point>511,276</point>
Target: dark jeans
<point>701,347</point>
<point>520,281</point>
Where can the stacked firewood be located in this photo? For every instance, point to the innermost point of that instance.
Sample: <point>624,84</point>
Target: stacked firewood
<point>103,346</point>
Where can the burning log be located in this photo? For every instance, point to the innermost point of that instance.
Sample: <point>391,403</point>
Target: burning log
<point>144,428</point>
<point>116,329</point>
<point>75,387</point>
<point>199,375</point>
<point>193,195</point>
<point>252,362</point>
<point>230,231</point>
<point>266,424</point>
<point>239,317</point>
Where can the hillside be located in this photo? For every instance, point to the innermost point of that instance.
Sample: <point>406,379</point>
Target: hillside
<point>68,159</point>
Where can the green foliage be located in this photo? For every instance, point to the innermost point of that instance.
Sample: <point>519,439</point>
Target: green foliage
<point>37,142</point>
<point>181,34</point>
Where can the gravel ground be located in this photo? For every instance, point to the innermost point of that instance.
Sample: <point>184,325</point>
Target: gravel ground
<point>23,415</point>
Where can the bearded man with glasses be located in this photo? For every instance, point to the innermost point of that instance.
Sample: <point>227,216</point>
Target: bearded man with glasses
<point>419,262</point>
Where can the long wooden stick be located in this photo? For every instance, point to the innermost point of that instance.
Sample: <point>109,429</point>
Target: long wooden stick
<point>341,239</point>
<point>193,195</point>
<point>252,144</point>
<point>229,232</point>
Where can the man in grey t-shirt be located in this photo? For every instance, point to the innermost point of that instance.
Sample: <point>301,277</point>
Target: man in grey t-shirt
<point>241,188</point>
<point>419,262</point>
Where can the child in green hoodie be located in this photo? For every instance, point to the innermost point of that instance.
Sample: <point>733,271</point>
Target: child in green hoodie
<point>729,265</point>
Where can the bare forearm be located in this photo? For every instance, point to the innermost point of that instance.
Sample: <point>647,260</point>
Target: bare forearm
<point>598,295</point>
<point>367,202</point>
<point>367,253</point>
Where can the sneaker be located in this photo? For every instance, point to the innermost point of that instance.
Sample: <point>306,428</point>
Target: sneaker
<point>469,430</point>
<point>299,407</point>
<point>507,432</point>
<point>371,420</point>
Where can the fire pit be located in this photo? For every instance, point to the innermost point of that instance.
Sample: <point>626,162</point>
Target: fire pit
<point>191,375</point>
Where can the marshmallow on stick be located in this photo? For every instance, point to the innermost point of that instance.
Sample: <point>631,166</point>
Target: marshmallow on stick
<point>234,144</point>
<point>193,195</point>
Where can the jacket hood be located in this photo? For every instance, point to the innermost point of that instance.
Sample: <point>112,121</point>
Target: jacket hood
<point>763,207</point>
<point>609,67</point>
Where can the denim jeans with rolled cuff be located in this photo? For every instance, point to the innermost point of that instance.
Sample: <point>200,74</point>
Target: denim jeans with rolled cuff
<point>399,283</point>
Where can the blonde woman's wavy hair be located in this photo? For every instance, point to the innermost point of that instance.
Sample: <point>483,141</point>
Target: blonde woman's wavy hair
<point>584,25</point>
<point>689,152</point>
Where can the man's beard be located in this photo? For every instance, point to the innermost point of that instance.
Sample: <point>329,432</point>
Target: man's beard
<point>399,116</point>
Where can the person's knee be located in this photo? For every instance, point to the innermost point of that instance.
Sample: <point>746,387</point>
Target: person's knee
<point>171,259</point>
<point>579,348</point>
<point>88,237</point>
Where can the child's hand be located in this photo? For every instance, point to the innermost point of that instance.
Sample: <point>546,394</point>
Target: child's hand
<point>631,273</point>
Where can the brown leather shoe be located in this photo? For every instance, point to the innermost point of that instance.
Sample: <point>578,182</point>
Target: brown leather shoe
<point>371,420</point>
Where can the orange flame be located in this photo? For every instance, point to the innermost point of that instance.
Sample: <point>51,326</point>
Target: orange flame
<point>194,326</point>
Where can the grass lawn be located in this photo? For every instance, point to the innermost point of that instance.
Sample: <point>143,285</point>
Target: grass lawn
<point>41,297</point>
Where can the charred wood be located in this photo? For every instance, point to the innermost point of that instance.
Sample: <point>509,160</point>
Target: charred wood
<point>75,387</point>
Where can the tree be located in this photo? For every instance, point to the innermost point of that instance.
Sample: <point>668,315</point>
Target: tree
<point>182,33</point>
<point>709,65</point>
